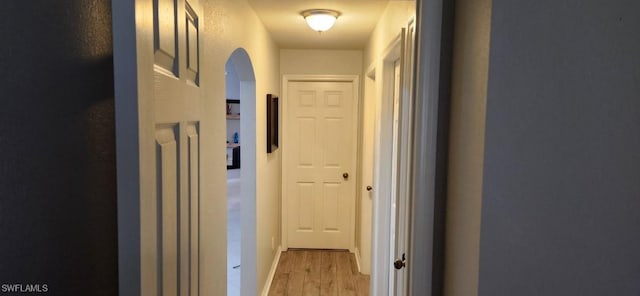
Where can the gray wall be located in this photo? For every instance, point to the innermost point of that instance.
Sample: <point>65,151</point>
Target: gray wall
<point>57,149</point>
<point>561,190</point>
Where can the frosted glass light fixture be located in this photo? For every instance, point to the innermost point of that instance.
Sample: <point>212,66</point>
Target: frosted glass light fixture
<point>320,20</point>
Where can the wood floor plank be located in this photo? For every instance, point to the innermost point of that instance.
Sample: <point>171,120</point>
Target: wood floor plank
<point>345,279</point>
<point>279,285</point>
<point>328,275</point>
<point>312,273</point>
<point>292,260</point>
<point>283,264</point>
<point>313,262</point>
<point>295,283</point>
<point>311,285</point>
<point>362,285</point>
<point>297,260</point>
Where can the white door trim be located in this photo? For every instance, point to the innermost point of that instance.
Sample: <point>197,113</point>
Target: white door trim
<point>354,79</point>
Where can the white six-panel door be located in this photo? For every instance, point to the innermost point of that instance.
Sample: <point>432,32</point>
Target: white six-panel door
<point>177,122</point>
<point>160,104</point>
<point>320,164</point>
<point>177,113</point>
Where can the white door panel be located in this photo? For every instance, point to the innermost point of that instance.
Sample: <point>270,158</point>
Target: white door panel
<point>320,204</point>
<point>167,124</point>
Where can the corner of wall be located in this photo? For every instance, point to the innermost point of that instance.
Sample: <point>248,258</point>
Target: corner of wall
<point>466,146</point>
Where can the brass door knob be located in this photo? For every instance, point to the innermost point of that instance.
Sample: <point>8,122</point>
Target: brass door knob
<point>345,175</point>
<point>369,188</point>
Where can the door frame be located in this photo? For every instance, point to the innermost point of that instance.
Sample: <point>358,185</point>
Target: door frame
<point>286,79</point>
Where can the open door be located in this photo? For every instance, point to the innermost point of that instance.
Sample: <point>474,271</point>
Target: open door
<point>159,113</point>
<point>390,169</point>
<point>403,111</point>
<point>397,215</point>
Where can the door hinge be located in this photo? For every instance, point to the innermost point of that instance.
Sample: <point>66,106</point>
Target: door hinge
<point>400,263</point>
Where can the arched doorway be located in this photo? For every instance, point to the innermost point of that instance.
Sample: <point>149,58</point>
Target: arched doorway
<point>241,218</point>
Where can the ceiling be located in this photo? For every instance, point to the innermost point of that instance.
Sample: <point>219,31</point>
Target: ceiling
<point>289,30</point>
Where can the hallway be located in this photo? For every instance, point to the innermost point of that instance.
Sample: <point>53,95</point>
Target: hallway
<point>318,272</point>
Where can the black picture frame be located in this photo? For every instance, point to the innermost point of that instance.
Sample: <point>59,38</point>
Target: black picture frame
<point>272,123</point>
<point>231,102</point>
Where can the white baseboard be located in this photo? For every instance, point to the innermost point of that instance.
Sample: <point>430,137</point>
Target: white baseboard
<point>272,272</point>
<point>357,254</point>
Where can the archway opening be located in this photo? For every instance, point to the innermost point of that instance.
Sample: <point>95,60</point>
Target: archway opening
<point>241,173</point>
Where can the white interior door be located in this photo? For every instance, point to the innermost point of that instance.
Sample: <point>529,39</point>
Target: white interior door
<point>403,117</point>
<point>386,183</point>
<point>320,163</point>
<point>394,228</point>
<point>159,103</point>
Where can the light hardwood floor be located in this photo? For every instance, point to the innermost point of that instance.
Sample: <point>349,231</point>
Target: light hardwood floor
<point>318,272</point>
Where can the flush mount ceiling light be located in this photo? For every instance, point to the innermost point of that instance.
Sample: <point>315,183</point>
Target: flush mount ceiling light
<point>320,20</point>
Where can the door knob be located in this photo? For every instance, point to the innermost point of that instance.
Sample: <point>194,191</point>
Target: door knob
<point>400,263</point>
<point>369,188</point>
<point>345,175</point>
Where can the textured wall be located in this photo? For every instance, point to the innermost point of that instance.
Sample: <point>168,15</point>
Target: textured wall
<point>561,195</point>
<point>57,150</point>
<point>228,26</point>
<point>320,62</point>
